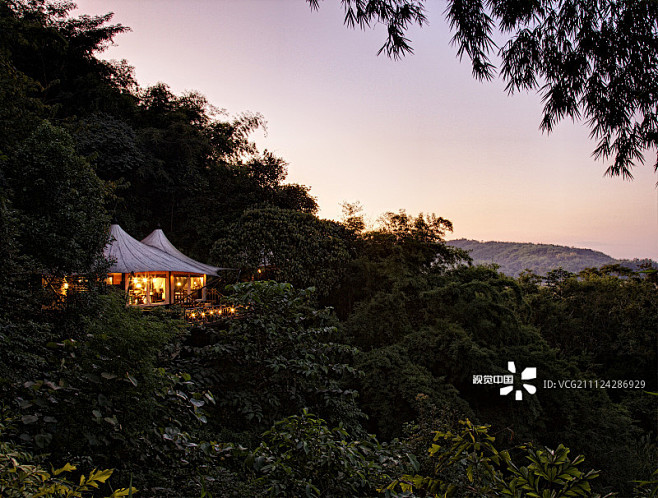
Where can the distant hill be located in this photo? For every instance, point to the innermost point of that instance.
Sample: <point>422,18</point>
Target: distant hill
<point>515,257</point>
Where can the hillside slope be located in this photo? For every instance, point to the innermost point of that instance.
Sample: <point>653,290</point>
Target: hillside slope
<point>515,257</point>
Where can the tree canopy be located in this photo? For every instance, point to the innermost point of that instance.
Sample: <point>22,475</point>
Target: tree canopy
<point>591,60</point>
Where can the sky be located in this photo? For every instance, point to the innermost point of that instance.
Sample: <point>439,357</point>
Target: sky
<point>418,134</point>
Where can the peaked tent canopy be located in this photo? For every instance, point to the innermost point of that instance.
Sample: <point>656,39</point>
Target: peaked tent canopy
<point>159,240</point>
<point>128,255</point>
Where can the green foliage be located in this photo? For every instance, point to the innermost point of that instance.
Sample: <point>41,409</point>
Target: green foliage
<point>290,246</point>
<point>417,242</point>
<point>19,110</point>
<point>111,144</point>
<point>174,160</point>
<point>428,328</point>
<point>53,222</point>
<point>302,456</point>
<point>56,52</point>
<point>391,384</point>
<point>648,488</point>
<point>103,397</point>
<point>606,323</point>
<point>397,258</point>
<point>21,474</point>
<point>352,217</point>
<point>275,359</point>
<point>61,215</point>
<point>469,464</point>
<point>121,339</point>
<point>181,164</point>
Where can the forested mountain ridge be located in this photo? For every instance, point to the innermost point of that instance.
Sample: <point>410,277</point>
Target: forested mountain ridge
<point>513,258</point>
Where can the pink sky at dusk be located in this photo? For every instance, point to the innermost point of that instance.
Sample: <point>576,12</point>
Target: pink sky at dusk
<point>418,134</point>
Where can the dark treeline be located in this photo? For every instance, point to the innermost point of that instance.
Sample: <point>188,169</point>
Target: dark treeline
<point>352,350</point>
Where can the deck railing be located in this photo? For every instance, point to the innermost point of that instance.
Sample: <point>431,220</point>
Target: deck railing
<point>196,297</point>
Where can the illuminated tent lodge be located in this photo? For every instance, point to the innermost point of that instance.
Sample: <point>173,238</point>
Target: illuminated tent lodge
<point>153,272</point>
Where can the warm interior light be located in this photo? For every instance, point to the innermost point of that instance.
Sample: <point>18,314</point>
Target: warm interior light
<point>178,284</point>
<point>232,310</point>
<point>139,286</point>
<point>260,271</point>
<point>66,285</point>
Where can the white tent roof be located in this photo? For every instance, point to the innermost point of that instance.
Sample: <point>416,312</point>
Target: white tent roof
<point>127,255</point>
<point>159,240</point>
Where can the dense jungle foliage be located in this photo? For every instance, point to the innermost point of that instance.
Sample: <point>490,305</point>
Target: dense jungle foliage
<point>350,371</point>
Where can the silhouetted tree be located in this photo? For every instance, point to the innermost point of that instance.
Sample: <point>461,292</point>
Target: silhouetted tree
<point>590,60</point>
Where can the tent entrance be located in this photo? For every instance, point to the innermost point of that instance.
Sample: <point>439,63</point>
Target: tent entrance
<point>160,288</point>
